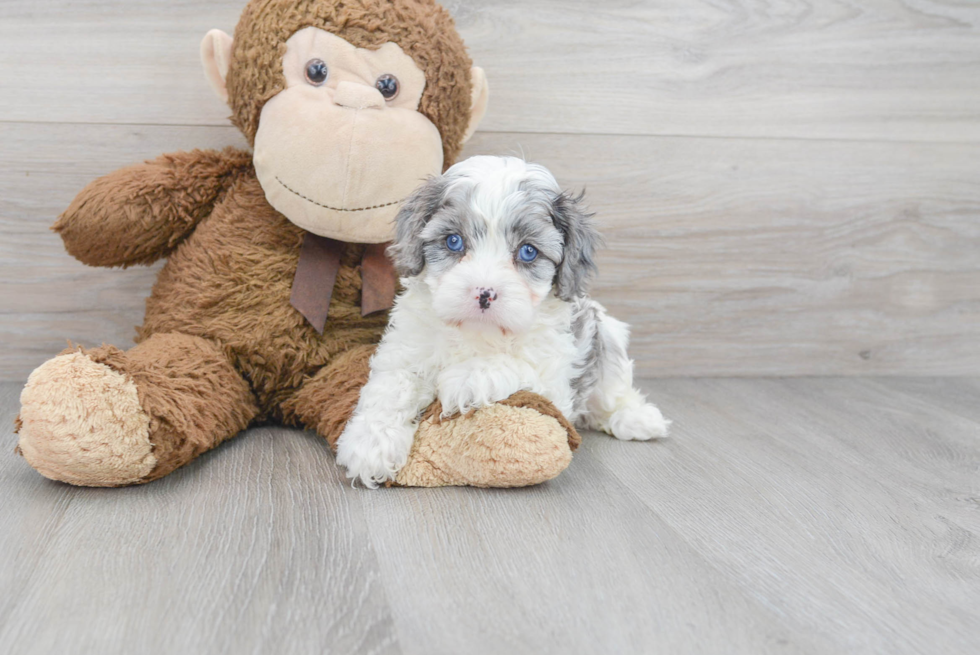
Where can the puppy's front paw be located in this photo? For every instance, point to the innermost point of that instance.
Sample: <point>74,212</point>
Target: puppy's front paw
<point>469,386</point>
<point>638,422</point>
<point>373,451</point>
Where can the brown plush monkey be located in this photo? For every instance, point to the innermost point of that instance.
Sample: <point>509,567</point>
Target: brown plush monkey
<point>268,305</point>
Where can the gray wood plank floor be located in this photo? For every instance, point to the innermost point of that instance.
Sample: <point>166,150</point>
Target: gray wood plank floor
<point>809,515</point>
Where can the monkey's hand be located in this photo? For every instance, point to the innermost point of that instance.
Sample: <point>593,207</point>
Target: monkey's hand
<point>140,213</point>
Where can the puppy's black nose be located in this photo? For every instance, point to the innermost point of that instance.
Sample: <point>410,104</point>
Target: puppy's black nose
<point>486,297</point>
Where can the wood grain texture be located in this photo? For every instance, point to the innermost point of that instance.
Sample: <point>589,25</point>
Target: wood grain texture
<point>897,70</point>
<point>257,545</point>
<point>874,500</point>
<point>48,296</point>
<point>759,257</point>
<point>787,188</point>
<point>577,566</point>
<point>818,515</point>
<point>957,396</point>
<point>841,247</point>
<point>728,256</point>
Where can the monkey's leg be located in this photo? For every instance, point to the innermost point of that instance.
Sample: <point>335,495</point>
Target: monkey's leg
<point>326,401</point>
<point>107,418</point>
<point>521,441</point>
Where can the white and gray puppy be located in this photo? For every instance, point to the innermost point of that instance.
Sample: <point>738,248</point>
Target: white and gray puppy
<point>495,260</point>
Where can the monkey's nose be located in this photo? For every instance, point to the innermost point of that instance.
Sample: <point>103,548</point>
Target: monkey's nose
<point>485,297</point>
<point>358,96</point>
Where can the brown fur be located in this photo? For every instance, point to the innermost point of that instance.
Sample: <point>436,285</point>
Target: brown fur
<point>512,447</point>
<point>219,314</point>
<point>327,400</point>
<point>221,346</point>
<point>230,282</point>
<point>140,213</point>
<point>423,29</point>
<point>190,390</point>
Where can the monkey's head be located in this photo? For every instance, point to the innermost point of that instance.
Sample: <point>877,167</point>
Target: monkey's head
<point>348,105</point>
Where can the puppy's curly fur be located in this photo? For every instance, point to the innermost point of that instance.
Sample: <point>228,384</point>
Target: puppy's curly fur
<point>496,261</point>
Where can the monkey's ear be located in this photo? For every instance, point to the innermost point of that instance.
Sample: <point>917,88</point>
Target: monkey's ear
<point>216,57</point>
<point>478,104</point>
<point>582,240</point>
<point>407,251</point>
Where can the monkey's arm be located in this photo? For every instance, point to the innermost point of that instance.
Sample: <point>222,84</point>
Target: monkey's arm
<point>140,213</point>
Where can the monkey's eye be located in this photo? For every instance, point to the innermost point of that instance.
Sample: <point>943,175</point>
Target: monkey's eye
<point>527,253</point>
<point>316,72</point>
<point>454,242</point>
<point>388,86</point>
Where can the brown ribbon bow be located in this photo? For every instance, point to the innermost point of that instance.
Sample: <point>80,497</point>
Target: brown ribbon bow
<point>316,274</point>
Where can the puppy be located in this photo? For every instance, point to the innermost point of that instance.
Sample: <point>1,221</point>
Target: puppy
<point>495,263</point>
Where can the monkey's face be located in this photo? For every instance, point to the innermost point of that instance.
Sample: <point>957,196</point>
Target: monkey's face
<point>344,121</point>
<point>343,144</point>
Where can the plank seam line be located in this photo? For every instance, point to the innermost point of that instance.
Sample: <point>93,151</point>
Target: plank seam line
<point>731,137</point>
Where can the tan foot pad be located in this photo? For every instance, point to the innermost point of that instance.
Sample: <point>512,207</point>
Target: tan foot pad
<point>81,422</point>
<point>518,442</point>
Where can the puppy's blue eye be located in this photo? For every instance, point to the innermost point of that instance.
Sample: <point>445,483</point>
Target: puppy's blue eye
<point>454,242</point>
<point>528,253</point>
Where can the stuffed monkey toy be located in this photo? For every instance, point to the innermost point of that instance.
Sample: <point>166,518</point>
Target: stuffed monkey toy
<point>276,285</point>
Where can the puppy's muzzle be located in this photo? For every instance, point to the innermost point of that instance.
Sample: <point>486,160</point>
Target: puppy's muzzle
<point>485,297</point>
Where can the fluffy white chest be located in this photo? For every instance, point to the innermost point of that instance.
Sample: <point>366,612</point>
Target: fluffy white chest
<point>542,359</point>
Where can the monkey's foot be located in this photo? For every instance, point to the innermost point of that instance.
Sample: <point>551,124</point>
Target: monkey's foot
<point>81,422</point>
<point>518,442</point>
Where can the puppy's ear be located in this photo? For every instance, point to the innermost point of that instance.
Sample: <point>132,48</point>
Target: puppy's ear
<point>577,266</point>
<point>407,251</point>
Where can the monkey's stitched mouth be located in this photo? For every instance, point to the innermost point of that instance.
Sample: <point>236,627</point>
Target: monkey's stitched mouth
<point>336,209</point>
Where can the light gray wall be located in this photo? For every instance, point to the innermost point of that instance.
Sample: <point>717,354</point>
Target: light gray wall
<point>787,188</point>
